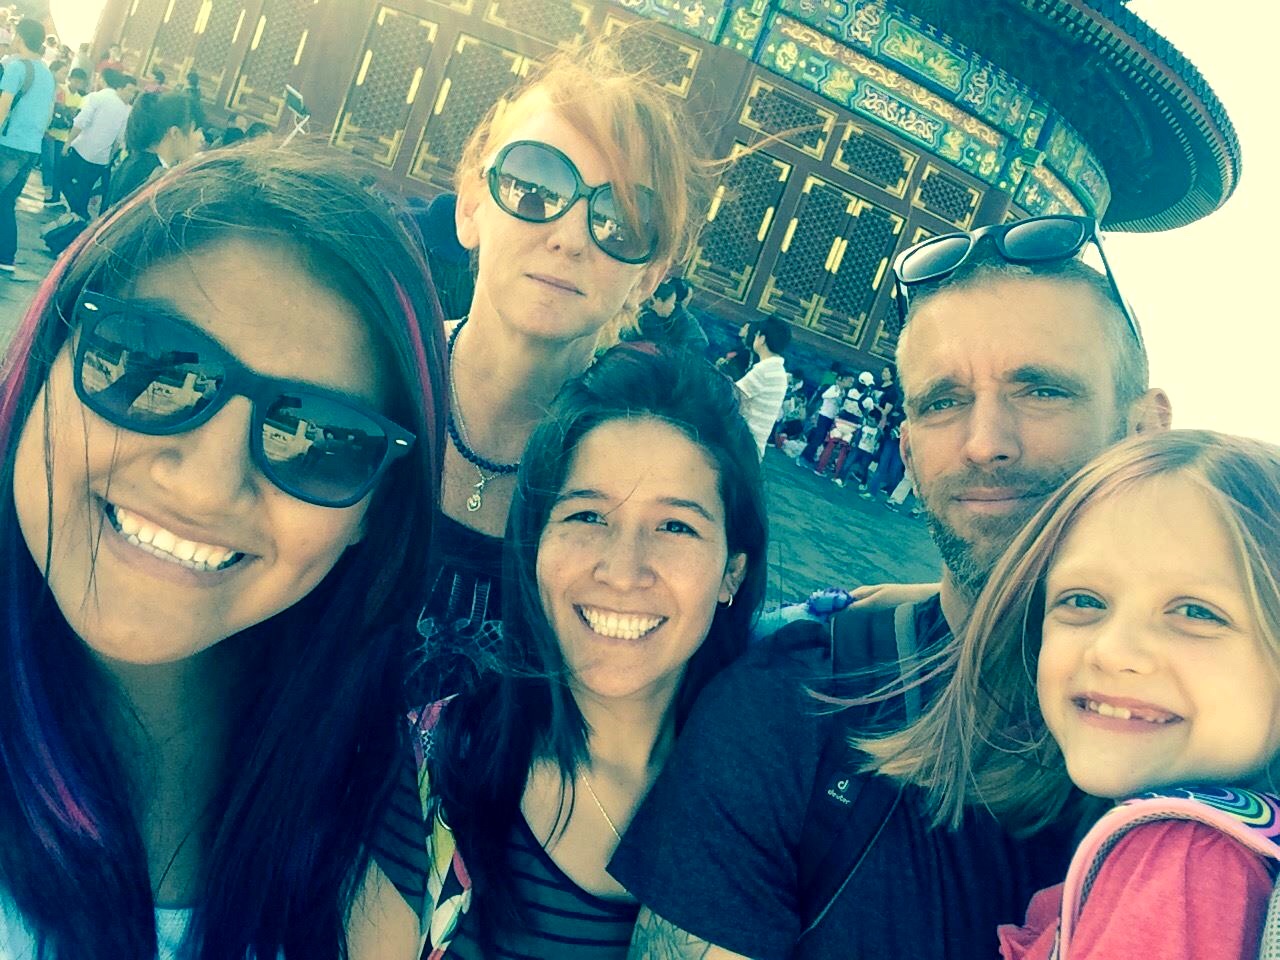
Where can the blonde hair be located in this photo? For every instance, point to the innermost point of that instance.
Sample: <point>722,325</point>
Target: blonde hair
<point>983,742</point>
<point>643,133</point>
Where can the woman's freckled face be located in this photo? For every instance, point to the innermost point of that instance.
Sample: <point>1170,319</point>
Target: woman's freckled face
<point>550,280</point>
<point>633,558</point>
<point>264,306</point>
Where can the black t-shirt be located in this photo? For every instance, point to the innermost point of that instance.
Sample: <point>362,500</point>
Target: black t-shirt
<point>714,847</point>
<point>458,629</point>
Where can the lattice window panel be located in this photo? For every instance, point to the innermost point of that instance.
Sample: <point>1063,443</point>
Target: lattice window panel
<point>477,75</point>
<point>859,269</point>
<point>809,246</point>
<point>946,197</point>
<point>376,110</point>
<point>216,34</point>
<point>174,40</point>
<point>279,40</point>
<point>805,126</point>
<point>885,344</point>
<point>196,35</point>
<point>663,59</point>
<point>741,214</point>
<point>138,31</point>
<point>875,159</point>
<point>559,22</point>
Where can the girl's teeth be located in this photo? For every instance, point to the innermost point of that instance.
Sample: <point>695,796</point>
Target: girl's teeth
<point>1124,713</point>
<point>161,543</point>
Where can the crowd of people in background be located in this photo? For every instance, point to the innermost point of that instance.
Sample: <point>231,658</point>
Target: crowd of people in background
<point>93,130</point>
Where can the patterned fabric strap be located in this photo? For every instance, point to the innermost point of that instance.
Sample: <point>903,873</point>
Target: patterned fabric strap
<point>448,885</point>
<point>1250,817</point>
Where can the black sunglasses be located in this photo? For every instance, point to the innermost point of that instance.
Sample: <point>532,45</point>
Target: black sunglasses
<point>537,183</point>
<point>1034,240</point>
<point>150,372</point>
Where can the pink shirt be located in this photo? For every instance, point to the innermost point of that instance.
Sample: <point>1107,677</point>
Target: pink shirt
<point>1172,890</point>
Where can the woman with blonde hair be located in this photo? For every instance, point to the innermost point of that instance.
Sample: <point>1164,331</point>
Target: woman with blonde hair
<point>575,194</point>
<point>1127,645</point>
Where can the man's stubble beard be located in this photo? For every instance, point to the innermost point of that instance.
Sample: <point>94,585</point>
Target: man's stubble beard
<point>970,561</point>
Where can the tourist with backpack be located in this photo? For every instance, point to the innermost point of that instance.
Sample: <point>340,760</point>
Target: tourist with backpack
<point>1136,622</point>
<point>26,105</point>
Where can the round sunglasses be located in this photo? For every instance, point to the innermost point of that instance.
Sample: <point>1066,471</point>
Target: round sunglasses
<point>148,371</point>
<point>537,183</point>
<point>1033,240</point>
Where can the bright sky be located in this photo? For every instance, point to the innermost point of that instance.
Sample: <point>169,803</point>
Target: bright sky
<point>1210,316</point>
<point>1209,294</point>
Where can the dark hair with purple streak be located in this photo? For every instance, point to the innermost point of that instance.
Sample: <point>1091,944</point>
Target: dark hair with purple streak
<point>314,744</point>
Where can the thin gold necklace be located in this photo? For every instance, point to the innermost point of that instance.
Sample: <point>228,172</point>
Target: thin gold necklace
<point>600,806</point>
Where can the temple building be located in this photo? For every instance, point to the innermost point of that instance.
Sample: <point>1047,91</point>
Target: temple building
<point>891,122</point>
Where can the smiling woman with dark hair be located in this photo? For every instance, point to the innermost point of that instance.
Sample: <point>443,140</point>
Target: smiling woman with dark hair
<point>636,564</point>
<point>213,501</point>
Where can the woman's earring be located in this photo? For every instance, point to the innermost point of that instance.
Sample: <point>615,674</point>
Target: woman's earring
<point>728,603</point>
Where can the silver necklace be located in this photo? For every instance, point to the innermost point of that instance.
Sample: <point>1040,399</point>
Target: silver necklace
<point>600,806</point>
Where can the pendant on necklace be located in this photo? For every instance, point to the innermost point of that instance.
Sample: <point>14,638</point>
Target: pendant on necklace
<point>474,502</point>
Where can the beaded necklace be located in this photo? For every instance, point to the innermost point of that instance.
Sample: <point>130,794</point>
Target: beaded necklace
<point>458,436</point>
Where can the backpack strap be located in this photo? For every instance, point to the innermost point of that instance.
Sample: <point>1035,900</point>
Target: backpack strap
<point>846,811</point>
<point>1249,817</point>
<point>28,78</point>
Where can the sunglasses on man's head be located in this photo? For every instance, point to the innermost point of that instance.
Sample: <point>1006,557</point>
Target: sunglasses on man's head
<point>1034,240</point>
<point>537,183</point>
<point>148,371</point>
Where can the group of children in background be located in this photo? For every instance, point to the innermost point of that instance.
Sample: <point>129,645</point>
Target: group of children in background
<point>852,423</point>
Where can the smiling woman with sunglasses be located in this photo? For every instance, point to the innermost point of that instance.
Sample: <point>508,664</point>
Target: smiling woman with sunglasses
<point>574,195</point>
<point>220,431</point>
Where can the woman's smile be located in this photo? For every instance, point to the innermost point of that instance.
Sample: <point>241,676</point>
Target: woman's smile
<point>618,625</point>
<point>633,558</point>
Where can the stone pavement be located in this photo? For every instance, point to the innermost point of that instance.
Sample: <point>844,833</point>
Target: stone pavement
<point>820,535</point>
<point>32,258</point>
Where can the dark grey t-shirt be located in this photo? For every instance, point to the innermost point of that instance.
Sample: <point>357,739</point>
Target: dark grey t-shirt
<point>714,847</point>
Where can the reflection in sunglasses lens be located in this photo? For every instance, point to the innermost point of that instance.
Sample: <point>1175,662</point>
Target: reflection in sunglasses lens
<point>534,183</point>
<point>320,447</point>
<point>137,374</point>
<point>618,234</point>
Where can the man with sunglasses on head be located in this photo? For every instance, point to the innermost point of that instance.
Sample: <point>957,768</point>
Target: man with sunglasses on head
<point>765,837</point>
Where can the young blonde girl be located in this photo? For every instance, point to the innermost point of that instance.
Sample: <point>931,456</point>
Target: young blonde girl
<point>1128,641</point>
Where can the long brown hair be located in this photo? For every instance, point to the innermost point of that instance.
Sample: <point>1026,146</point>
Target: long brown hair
<point>983,741</point>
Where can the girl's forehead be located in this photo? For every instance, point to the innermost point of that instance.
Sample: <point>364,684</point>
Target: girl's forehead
<point>1170,523</point>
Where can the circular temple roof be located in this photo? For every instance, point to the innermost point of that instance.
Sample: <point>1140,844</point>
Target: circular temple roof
<point>1162,136</point>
